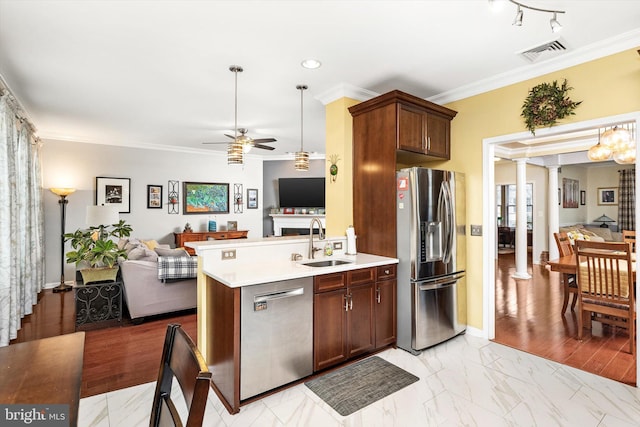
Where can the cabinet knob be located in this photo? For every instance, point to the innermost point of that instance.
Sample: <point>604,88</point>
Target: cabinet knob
<point>387,271</point>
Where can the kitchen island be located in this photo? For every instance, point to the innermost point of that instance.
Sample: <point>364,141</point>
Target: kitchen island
<point>348,309</point>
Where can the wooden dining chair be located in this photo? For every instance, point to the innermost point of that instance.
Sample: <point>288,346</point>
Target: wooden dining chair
<point>629,236</point>
<point>182,359</point>
<point>606,283</point>
<point>569,280</point>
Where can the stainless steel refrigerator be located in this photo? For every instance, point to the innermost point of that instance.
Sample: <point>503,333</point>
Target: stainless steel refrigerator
<point>431,246</point>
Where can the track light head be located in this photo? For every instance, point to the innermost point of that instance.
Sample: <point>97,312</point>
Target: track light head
<point>518,20</point>
<point>555,25</point>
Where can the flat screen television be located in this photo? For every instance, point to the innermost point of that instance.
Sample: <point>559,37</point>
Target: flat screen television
<point>301,192</point>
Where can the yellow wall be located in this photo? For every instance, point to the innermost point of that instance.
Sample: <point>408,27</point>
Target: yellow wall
<point>607,86</point>
<point>339,193</point>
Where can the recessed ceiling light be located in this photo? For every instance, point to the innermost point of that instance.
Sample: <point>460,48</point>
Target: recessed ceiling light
<point>311,63</point>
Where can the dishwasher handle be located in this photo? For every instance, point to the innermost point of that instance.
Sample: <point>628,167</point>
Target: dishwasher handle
<point>278,295</point>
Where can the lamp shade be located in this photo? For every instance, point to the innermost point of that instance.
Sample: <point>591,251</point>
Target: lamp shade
<point>64,192</point>
<point>603,218</point>
<point>102,215</point>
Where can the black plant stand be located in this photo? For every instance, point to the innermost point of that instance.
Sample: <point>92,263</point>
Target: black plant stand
<point>98,304</point>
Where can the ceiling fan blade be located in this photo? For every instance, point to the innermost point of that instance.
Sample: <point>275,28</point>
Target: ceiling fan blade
<point>263,147</point>
<point>259,140</point>
<point>230,136</point>
<point>216,143</point>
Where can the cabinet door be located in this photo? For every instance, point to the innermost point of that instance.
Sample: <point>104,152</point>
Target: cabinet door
<point>385,312</point>
<point>410,130</point>
<point>360,323</point>
<point>329,329</point>
<point>437,130</point>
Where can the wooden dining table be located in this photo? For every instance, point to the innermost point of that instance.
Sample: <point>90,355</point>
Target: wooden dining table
<point>567,264</point>
<point>47,371</point>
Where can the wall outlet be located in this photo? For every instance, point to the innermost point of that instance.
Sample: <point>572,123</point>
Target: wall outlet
<point>337,246</point>
<point>476,230</point>
<point>228,254</point>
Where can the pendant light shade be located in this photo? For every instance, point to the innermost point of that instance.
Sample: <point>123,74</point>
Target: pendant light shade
<point>235,152</point>
<point>618,143</point>
<point>302,157</point>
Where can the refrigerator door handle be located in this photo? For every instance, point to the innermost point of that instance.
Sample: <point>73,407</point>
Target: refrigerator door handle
<point>439,283</point>
<point>445,212</point>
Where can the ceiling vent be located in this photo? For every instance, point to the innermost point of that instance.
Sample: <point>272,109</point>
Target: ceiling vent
<point>546,50</point>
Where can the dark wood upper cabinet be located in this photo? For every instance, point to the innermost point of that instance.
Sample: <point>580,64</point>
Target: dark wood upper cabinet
<point>391,128</point>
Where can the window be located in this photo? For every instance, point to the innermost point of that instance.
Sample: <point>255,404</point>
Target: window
<point>506,205</point>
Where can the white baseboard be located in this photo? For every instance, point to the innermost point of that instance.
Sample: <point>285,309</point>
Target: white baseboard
<point>53,285</point>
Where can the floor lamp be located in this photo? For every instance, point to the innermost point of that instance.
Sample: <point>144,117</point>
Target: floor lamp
<point>63,193</point>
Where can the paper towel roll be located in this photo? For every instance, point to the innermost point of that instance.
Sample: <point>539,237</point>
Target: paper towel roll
<point>351,241</point>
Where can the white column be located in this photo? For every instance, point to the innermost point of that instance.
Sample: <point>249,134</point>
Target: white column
<point>552,210</point>
<point>521,220</point>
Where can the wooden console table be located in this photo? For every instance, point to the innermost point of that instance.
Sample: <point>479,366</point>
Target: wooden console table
<point>182,238</point>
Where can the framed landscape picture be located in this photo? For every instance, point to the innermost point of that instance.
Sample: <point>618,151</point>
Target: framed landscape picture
<point>607,196</point>
<point>205,198</point>
<point>154,196</point>
<point>114,192</point>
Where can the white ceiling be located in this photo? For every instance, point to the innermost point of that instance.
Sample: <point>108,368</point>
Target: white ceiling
<point>156,73</point>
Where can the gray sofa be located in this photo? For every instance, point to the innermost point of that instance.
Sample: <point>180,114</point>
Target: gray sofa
<point>144,293</point>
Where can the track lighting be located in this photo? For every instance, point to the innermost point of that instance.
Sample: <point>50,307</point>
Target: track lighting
<point>555,25</point>
<point>518,21</point>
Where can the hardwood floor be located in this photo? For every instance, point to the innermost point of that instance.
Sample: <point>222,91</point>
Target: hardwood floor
<point>528,318</point>
<point>114,357</point>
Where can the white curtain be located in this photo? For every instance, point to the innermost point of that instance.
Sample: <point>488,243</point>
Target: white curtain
<point>21,221</point>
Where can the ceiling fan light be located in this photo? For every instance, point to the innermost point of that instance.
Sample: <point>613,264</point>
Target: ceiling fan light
<point>302,161</point>
<point>235,154</point>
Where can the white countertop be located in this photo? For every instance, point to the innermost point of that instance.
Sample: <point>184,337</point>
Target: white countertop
<point>269,260</point>
<point>252,273</point>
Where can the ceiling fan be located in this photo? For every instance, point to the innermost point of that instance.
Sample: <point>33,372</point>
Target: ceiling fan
<point>248,142</point>
<point>240,138</point>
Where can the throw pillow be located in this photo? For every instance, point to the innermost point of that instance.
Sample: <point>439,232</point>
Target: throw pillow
<point>180,252</point>
<point>151,244</point>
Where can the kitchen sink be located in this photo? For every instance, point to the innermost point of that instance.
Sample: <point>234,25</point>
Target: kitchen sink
<point>326,263</point>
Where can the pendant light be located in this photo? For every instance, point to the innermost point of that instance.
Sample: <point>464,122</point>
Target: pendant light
<point>302,157</point>
<point>235,153</point>
<point>617,143</point>
<point>599,152</point>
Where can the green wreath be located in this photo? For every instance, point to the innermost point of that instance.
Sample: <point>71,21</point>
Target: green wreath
<point>546,104</point>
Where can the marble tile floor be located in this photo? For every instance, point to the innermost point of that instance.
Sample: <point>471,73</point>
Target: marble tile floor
<point>467,381</point>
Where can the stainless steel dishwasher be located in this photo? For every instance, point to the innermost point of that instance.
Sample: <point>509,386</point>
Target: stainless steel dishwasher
<point>276,329</point>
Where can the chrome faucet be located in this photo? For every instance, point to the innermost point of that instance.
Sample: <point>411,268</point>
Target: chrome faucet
<point>312,250</point>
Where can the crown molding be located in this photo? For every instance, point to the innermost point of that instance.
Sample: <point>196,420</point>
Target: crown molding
<point>629,40</point>
<point>345,90</point>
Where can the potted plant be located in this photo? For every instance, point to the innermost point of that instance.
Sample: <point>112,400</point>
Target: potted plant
<point>95,252</point>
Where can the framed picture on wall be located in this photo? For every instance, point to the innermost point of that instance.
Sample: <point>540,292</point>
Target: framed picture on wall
<point>205,198</point>
<point>154,196</point>
<point>252,198</point>
<point>607,196</point>
<point>570,192</point>
<point>114,192</point>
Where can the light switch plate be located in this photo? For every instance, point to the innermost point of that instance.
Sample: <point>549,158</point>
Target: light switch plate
<point>476,230</point>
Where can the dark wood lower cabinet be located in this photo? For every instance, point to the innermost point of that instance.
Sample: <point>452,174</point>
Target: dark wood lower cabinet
<point>354,319</point>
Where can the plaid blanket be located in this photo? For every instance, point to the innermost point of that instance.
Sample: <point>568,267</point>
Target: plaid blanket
<point>171,267</point>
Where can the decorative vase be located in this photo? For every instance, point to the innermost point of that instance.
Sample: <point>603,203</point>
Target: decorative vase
<point>99,274</point>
